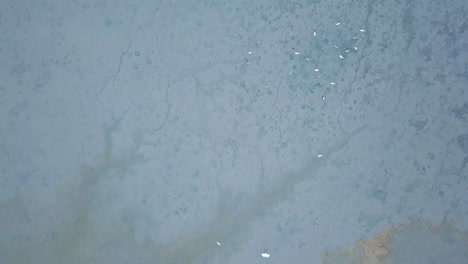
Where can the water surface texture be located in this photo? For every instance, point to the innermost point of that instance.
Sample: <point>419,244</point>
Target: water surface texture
<point>206,132</point>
